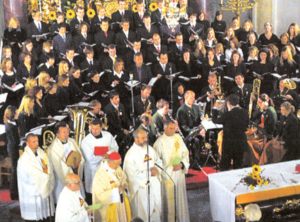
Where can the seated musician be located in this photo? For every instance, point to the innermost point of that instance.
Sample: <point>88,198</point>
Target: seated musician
<point>160,117</point>
<point>188,117</point>
<point>264,116</point>
<point>66,157</point>
<point>243,90</point>
<point>285,93</point>
<point>144,102</point>
<point>210,93</point>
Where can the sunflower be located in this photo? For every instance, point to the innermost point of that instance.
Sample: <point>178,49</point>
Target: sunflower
<point>266,182</point>
<point>254,176</point>
<point>70,14</point>
<point>91,13</point>
<point>52,15</point>
<point>256,169</point>
<point>251,187</point>
<point>134,8</point>
<point>153,6</point>
<point>260,181</point>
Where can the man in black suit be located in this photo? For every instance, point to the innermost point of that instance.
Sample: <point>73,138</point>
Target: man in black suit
<point>97,20</point>
<point>104,38</point>
<point>176,50</point>
<point>157,16</point>
<point>160,117</point>
<point>117,120</point>
<point>146,31</point>
<point>193,31</point>
<point>117,16</point>
<point>139,15</point>
<point>70,57</point>
<point>168,32</point>
<point>60,18</point>
<point>124,38</point>
<point>48,66</point>
<point>80,18</point>
<point>154,49</point>
<point>140,71</point>
<point>243,90</point>
<point>108,61</point>
<point>37,28</point>
<point>161,70</point>
<point>144,102</point>
<point>89,64</point>
<point>129,56</point>
<point>62,41</point>
<point>235,123</point>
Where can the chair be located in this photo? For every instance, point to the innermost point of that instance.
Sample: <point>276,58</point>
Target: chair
<point>5,164</point>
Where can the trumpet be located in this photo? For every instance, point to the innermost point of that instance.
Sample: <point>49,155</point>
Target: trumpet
<point>104,122</point>
<point>255,93</point>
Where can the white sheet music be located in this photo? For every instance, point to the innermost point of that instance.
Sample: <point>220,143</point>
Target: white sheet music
<point>18,86</point>
<point>152,81</point>
<point>209,125</point>
<point>3,97</point>
<point>2,129</point>
<point>59,118</point>
<point>83,104</point>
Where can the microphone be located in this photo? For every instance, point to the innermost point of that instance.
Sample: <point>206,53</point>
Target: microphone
<point>160,167</point>
<point>170,70</point>
<point>131,76</point>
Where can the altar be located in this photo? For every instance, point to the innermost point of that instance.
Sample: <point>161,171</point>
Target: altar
<point>226,192</point>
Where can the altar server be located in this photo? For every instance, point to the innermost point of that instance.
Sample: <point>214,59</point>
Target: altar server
<point>66,158</point>
<point>175,157</point>
<point>97,138</point>
<point>135,167</point>
<point>109,187</point>
<point>35,182</point>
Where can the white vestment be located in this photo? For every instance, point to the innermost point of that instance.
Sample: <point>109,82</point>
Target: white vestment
<point>69,207</point>
<point>135,167</point>
<point>35,186</point>
<point>57,155</point>
<point>167,148</point>
<point>92,162</point>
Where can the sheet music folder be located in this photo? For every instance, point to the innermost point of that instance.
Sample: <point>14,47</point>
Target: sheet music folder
<point>209,125</point>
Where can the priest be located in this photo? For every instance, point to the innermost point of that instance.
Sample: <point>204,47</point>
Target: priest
<point>35,182</point>
<point>109,186</point>
<point>175,157</point>
<point>137,171</point>
<point>71,205</point>
<point>66,158</point>
<point>94,147</point>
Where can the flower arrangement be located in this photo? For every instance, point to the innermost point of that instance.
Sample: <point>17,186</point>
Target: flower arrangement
<point>70,13</point>
<point>254,179</point>
<point>153,6</point>
<point>52,15</point>
<point>91,13</point>
<point>134,8</point>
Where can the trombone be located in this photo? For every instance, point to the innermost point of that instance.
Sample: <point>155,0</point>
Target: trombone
<point>255,93</point>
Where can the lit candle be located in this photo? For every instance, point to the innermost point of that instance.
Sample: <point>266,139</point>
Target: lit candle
<point>222,1</point>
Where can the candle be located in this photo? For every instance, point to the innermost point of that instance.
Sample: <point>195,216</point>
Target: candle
<point>222,1</point>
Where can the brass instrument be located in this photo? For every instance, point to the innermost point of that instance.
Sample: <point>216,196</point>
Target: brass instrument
<point>288,84</point>
<point>48,138</point>
<point>104,122</point>
<point>175,121</point>
<point>255,93</point>
<point>79,118</point>
<point>148,107</point>
<point>158,134</point>
<point>217,91</point>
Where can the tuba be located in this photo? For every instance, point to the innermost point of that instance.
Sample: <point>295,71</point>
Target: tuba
<point>255,93</point>
<point>217,91</point>
<point>288,84</point>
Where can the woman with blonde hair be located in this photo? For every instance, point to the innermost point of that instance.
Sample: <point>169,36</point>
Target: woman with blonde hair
<point>274,54</point>
<point>289,131</point>
<point>26,120</point>
<point>247,28</point>
<point>13,139</point>
<point>211,40</point>
<point>63,68</point>
<point>220,53</point>
<point>43,78</point>
<point>15,36</point>
<point>229,32</point>
<point>284,39</point>
<point>287,66</point>
<point>268,37</point>
<point>234,45</point>
<point>200,51</point>
<point>30,83</point>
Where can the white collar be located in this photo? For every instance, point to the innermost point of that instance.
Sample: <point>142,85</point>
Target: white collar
<point>79,20</point>
<point>112,58</point>
<point>63,35</point>
<point>249,58</point>
<point>110,170</point>
<point>160,112</point>
<point>178,45</point>
<point>37,23</point>
<point>241,86</point>
<point>90,60</point>
<point>119,75</point>
<point>100,18</point>
<point>122,12</point>
<point>115,105</point>
<point>12,122</point>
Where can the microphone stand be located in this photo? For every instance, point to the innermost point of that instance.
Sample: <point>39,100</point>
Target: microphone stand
<point>148,170</point>
<point>174,188</point>
<point>171,85</point>
<point>132,100</point>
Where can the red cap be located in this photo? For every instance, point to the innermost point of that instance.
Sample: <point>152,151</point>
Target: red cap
<point>114,156</point>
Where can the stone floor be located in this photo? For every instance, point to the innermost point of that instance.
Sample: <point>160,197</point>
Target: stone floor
<point>198,200</point>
